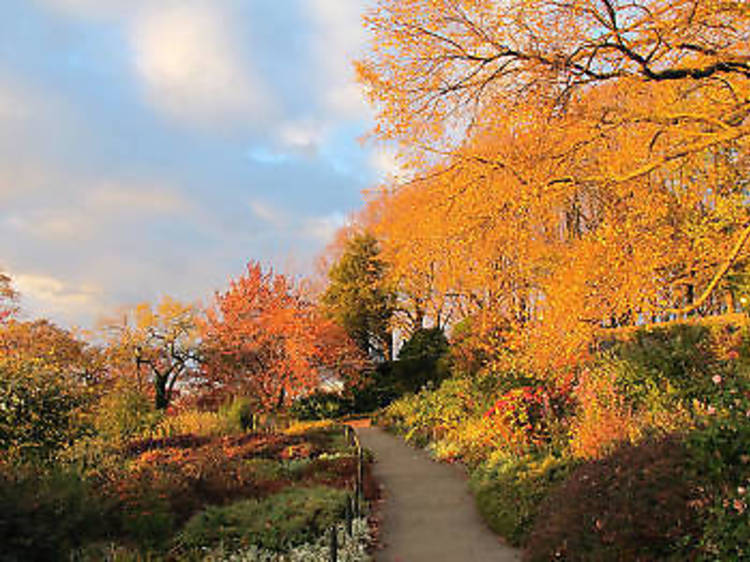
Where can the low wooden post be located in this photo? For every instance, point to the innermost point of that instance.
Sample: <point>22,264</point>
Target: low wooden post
<point>361,471</point>
<point>349,515</point>
<point>334,544</point>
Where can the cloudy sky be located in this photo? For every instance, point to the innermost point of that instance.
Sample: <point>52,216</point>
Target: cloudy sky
<point>151,147</point>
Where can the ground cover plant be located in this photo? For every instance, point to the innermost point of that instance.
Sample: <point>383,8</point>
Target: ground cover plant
<point>164,497</point>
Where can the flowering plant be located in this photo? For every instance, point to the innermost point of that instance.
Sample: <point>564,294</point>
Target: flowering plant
<point>530,412</point>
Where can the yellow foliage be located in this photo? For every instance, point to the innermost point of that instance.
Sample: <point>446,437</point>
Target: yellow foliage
<point>196,423</point>
<point>302,427</point>
<point>593,180</point>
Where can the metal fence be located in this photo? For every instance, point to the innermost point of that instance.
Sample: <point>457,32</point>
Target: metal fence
<point>355,503</point>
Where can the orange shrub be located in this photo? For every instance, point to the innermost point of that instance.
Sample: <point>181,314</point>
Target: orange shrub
<point>603,419</point>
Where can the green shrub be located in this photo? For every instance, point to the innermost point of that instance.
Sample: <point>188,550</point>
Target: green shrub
<point>394,379</point>
<point>148,522</point>
<point>322,405</point>
<point>674,363</point>
<point>39,411</point>
<point>352,548</point>
<point>266,470</point>
<point>426,343</point>
<point>639,503</point>
<point>720,456</point>
<point>125,413</point>
<point>44,514</point>
<point>291,517</point>
<point>509,490</point>
<point>433,412</point>
<point>238,414</point>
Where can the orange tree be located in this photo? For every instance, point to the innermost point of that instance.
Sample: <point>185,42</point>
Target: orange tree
<point>263,339</point>
<point>583,164</point>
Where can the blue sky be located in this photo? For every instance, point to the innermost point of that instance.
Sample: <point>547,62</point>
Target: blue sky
<point>151,147</point>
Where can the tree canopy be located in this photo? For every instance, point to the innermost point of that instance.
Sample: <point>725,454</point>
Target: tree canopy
<point>358,296</point>
<point>262,339</point>
<point>575,166</point>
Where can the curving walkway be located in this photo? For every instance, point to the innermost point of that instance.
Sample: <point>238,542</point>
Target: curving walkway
<point>428,513</point>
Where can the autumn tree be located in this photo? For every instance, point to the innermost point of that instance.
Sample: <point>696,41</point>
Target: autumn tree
<point>163,340</point>
<point>50,347</point>
<point>264,340</point>
<point>48,380</point>
<point>586,161</point>
<point>358,296</point>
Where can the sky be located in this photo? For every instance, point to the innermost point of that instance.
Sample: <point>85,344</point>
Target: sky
<point>154,147</point>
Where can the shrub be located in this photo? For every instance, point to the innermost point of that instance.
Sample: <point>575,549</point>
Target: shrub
<point>238,414</point>
<point>125,413</point>
<point>431,413</point>
<point>306,426</point>
<point>720,455</point>
<point>532,413</point>
<point>394,379</point>
<point>291,517</point>
<point>425,343</point>
<point>676,362</point>
<point>351,549</point>
<point>194,422</point>
<point>604,418</point>
<point>636,504</point>
<point>44,514</point>
<point>39,411</point>
<point>185,479</point>
<point>321,405</point>
<point>469,442</point>
<point>509,490</point>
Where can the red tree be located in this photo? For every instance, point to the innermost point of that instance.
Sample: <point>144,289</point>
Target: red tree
<point>261,338</point>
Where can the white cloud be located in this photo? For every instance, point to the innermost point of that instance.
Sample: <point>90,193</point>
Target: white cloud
<point>305,136</point>
<point>323,228</point>
<point>187,57</point>
<point>269,214</point>
<point>185,54</point>
<point>136,198</point>
<point>49,225</point>
<point>318,228</point>
<point>340,39</point>
<point>49,296</point>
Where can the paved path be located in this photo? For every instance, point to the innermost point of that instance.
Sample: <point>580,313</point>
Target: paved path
<point>428,514</point>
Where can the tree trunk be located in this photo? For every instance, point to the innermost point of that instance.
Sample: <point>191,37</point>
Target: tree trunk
<point>162,397</point>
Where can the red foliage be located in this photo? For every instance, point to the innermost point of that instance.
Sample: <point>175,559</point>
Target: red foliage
<point>639,503</point>
<point>530,410</point>
<point>264,339</point>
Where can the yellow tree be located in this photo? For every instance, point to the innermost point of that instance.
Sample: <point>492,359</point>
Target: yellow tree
<point>588,158</point>
<point>162,339</point>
